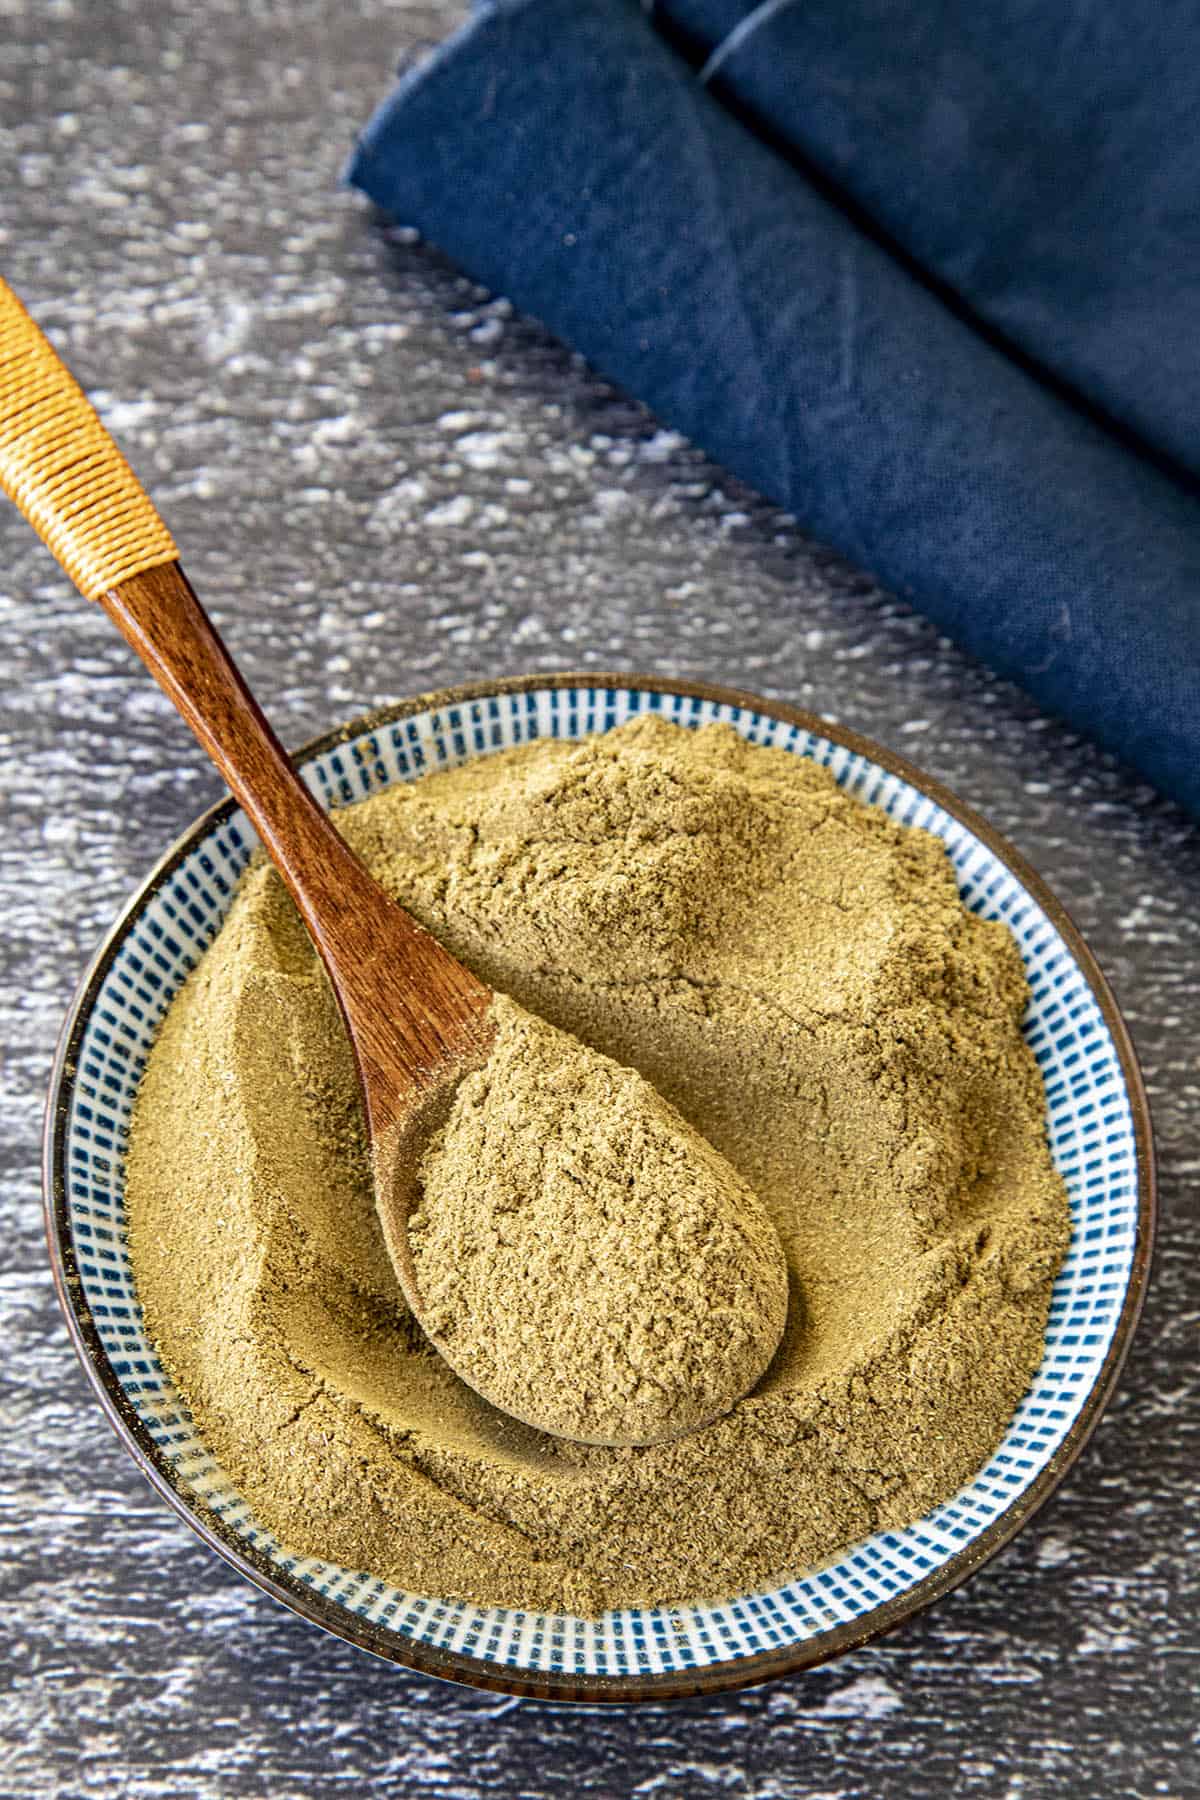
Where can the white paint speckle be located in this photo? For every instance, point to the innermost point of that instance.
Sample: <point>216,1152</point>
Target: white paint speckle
<point>483,449</point>
<point>128,415</point>
<point>338,430</point>
<point>611,501</point>
<point>1139,914</point>
<point>870,1697</point>
<point>661,447</point>
<point>1098,1642</point>
<point>451,512</point>
<point>399,504</point>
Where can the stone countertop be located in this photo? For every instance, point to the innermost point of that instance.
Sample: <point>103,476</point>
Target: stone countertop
<point>383,481</point>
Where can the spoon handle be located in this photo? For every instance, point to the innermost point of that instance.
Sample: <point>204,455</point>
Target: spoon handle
<point>58,463</point>
<point>63,470</point>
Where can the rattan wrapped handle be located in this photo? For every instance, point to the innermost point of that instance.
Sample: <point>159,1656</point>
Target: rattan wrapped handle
<point>63,470</point>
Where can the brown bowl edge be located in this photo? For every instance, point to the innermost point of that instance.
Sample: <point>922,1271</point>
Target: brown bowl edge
<point>449,1665</point>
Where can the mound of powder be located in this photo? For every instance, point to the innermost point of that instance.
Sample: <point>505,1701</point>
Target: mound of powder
<point>583,1257</point>
<point>792,972</point>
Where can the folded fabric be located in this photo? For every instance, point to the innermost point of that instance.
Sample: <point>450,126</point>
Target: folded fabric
<point>1043,161</point>
<point>570,156</point>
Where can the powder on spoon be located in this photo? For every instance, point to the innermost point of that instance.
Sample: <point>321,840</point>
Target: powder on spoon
<point>583,1257</point>
<point>791,971</point>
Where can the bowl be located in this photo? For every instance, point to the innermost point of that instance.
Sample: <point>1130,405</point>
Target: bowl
<point>1099,1130</point>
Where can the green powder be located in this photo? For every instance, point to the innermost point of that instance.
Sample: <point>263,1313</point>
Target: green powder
<point>583,1257</point>
<point>790,971</point>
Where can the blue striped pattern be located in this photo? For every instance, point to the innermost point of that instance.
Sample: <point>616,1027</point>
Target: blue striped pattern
<point>1091,1136</point>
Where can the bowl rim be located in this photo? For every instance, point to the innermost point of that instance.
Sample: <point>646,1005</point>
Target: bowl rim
<point>732,1673</point>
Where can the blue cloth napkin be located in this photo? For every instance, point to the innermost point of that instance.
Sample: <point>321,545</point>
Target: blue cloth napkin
<point>928,277</point>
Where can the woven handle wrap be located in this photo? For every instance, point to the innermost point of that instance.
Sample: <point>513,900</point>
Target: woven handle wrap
<point>63,470</point>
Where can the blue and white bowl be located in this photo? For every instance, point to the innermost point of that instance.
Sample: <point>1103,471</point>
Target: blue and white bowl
<point>1099,1131</point>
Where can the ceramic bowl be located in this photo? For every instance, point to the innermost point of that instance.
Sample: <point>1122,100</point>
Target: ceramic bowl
<point>1099,1132</point>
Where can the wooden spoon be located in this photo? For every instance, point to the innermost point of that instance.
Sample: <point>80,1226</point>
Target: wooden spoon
<point>417,1019</point>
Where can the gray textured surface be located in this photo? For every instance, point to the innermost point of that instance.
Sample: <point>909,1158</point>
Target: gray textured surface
<point>433,490</point>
